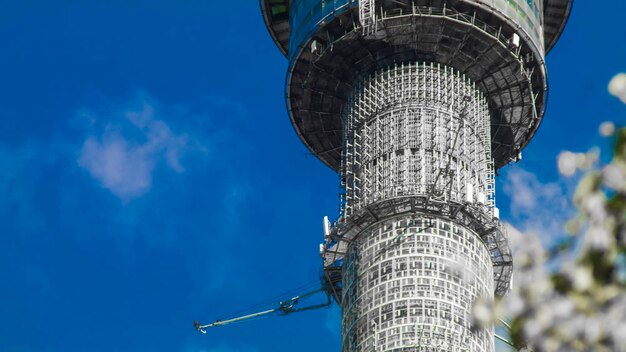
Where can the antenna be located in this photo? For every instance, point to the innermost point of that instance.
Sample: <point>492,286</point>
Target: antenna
<point>327,227</point>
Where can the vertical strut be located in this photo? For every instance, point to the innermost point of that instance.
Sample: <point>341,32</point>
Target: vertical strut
<point>367,16</point>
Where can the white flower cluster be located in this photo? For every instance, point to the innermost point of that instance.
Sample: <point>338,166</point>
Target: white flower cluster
<point>581,304</point>
<point>568,309</point>
<point>617,87</point>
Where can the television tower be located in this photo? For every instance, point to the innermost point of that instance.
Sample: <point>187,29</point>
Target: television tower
<point>416,104</point>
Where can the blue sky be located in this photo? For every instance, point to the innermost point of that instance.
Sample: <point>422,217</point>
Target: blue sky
<point>149,175</point>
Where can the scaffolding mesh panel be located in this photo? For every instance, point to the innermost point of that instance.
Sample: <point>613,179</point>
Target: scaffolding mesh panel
<point>416,129</point>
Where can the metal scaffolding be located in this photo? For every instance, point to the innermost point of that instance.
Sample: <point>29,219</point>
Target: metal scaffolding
<point>367,16</point>
<point>417,129</point>
<point>418,240</point>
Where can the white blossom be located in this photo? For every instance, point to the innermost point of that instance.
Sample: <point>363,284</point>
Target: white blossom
<point>599,238</point>
<point>607,129</point>
<point>514,304</point>
<point>568,163</point>
<point>580,276</point>
<point>614,177</point>
<point>594,206</point>
<point>578,304</point>
<point>617,87</point>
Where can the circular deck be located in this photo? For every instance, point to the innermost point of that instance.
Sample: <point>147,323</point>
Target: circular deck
<point>276,16</point>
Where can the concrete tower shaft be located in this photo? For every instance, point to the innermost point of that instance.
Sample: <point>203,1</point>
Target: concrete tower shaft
<point>416,130</point>
<point>409,285</point>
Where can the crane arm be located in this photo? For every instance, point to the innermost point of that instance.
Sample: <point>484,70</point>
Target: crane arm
<point>312,307</point>
<point>202,328</point>
<point>284,308</point>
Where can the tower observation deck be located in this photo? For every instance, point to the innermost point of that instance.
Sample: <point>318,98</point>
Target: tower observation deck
<point>416,104</point>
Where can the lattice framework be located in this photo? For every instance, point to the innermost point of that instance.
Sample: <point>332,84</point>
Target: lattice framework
<point>416,129</point>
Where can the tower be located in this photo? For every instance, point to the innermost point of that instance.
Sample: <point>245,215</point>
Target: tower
<point>416,104</point>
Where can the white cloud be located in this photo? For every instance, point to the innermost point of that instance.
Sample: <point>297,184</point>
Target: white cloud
<point>125,153</point>
<point>538,207</point>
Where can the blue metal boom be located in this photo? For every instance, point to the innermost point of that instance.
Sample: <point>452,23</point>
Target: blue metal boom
<point>283,308</point>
